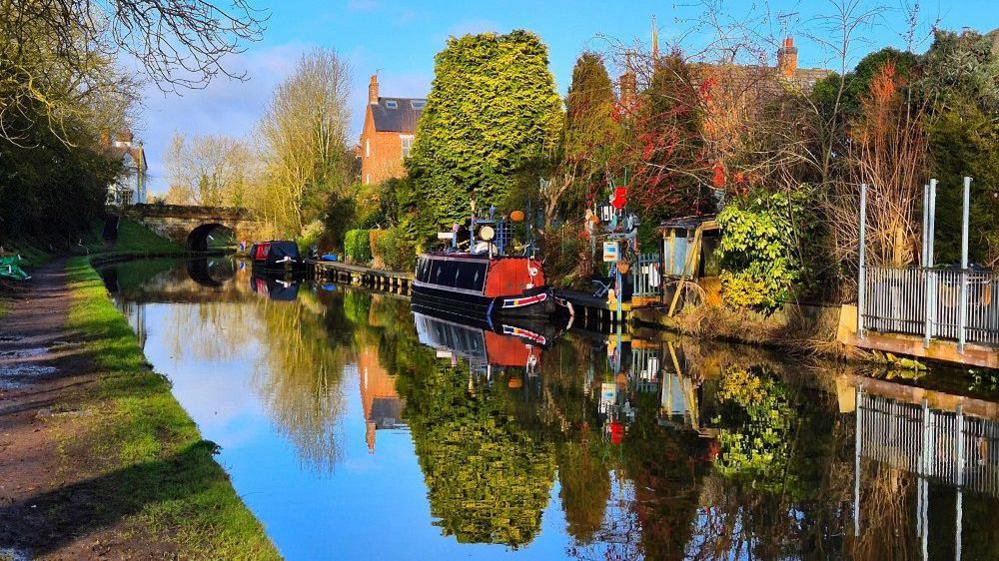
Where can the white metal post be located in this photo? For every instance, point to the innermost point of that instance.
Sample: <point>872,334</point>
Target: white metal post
<point>930,285</point>
<point>862,274</point>
<point>959,507</point>
<point>962,322</point>
<point>926,223</point>
<point>859,396</point>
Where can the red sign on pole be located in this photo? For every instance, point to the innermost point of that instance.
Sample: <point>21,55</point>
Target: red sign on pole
<point>620,197</point>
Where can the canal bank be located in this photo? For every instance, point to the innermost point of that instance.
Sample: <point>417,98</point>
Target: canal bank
<point>98,458</point>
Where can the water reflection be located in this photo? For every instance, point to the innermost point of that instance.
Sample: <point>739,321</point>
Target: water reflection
<point>356,428</point>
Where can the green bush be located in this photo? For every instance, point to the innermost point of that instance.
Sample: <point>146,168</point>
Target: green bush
<point>394,249</point>
<point>759,266</point>
<point>357,246</point>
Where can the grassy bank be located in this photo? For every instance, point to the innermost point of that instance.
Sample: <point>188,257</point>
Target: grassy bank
<point>153,470</point>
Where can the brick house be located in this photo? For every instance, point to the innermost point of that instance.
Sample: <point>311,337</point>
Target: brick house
<point>388,134</point>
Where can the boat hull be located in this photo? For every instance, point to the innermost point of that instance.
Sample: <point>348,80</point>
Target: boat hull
<point>538,303</point>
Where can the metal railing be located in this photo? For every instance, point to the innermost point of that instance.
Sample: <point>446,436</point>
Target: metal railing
<point>933,303</point>
<point>647,276</point>
<point>945,446</point>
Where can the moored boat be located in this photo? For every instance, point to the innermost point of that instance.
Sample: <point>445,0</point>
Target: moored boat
<point>276,257</point>
<point>481,286</point>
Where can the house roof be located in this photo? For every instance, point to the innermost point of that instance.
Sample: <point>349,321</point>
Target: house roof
<point>401,118</point>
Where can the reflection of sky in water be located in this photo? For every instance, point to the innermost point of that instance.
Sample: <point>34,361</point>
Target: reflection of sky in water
<point>372,505</point>
<point>278,427</point>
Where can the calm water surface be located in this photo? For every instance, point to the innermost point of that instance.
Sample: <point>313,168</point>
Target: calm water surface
<point>356,429</point>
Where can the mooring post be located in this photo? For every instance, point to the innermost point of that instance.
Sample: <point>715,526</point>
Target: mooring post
<point>962,322</point>
<point>862,274</point>
<point>930,285</point>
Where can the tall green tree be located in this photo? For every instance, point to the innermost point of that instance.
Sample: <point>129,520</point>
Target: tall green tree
<point>961,77</point>
<point>492,111</point>
<point>590,138</point>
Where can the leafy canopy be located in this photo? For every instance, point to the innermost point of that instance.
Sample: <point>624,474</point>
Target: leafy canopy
<point>491,111</point>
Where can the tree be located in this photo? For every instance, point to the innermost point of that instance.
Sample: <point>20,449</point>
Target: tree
<point>960,78</point>
<point>304,142</point>
<point>465,146</point>
<point>52,50</point>
<point>669,173</point>
<point>210,170</point>
<point>589,140</point>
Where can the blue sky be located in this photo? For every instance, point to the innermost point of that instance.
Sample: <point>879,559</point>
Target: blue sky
<point>398,39</point>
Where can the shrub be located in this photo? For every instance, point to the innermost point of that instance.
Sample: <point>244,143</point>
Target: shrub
<point>357,246</point>
<point>394,249</point>
<point>759,266</point>
<point>310,236</point>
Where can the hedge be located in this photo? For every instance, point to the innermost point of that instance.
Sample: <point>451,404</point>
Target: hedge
<point>357,246</point>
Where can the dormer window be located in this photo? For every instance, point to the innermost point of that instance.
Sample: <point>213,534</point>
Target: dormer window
<point>418,104</point>
<point>391,104</point>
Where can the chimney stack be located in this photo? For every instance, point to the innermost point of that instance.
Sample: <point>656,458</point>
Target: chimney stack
<point>787,58</point>
<point>373,90</point>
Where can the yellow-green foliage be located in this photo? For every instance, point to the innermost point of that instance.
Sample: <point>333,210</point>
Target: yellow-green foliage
<point>357,246</point>
<point>756,414</point>
<point>488,479</point>
<point>759,266</point>
<point>158,473</point>
<point>393,249</point>
<point>492,111</point>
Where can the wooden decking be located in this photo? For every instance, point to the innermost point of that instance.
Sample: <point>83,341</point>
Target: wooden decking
<point>593,313</point>
<point>346,273</point>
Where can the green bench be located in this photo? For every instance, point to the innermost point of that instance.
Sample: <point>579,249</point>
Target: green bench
<point>10,268</point>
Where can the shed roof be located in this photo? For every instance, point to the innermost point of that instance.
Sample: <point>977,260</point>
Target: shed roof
<point>402,118</point>
<point>686,222</point>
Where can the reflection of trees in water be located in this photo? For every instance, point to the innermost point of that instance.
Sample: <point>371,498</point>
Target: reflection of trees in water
<point>210,331</point>
<point>488,480</point>
<point>300,377</point>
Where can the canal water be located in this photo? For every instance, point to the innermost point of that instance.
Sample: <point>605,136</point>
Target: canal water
<point>354,428</point>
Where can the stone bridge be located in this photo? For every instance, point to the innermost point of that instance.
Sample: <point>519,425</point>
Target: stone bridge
<point>190,226</point>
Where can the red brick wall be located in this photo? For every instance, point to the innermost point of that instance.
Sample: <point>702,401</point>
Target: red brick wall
<point>381,153</point>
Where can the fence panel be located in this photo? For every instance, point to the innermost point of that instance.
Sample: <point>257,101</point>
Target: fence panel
<point>897,303</point>
<point>647,276</point>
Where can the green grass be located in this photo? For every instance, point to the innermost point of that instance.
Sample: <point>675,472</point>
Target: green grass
<point>157,473</point>
<point>133,239</point>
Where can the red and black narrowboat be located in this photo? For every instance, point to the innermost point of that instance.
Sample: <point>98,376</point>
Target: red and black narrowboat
<point>276,257</point>
<point>481,286</point>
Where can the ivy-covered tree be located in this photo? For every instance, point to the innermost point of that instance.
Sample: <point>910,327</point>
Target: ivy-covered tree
<point>759,266</point>
<point>491,112</point>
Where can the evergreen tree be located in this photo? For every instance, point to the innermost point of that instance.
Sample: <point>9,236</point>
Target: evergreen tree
<point>591,133</point>
<point>492,111</point>
<point>961,76</point>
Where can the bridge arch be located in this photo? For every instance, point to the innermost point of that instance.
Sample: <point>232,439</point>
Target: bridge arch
<point>191,226</point>
<point>200,236</point>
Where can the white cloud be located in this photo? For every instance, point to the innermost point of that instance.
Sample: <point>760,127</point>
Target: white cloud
<point>227,106</point>
<point>233,107</point>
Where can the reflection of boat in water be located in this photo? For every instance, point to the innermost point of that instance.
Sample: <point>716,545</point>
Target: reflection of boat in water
<point>276,257</point>
<point>481,343</point>
<point>274,288</point>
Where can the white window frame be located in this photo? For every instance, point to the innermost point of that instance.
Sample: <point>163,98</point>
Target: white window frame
<point>404,139</point>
